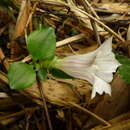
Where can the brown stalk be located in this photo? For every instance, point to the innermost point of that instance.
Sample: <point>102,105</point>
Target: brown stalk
<point>44,102</point>
<point>3,59</point>
<point>88,7</point>
<point>75,9</point>
<point>19,28</point>
<point>90,113</point>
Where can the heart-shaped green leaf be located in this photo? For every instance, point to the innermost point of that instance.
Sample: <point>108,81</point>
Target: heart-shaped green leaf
<point>21,75</point>
<point>42,43</point>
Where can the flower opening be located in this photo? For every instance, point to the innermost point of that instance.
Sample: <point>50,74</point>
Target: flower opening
<point>96,67</point>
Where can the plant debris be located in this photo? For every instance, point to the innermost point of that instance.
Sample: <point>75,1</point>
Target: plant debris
<point>63,103</point>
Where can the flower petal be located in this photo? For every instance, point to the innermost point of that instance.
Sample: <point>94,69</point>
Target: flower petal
<point>106,76</point>
<point>105,58</point>
<point>78,65</point>
<point>96,67</point>
<point>81,73</point>
<point>100,86</point>
<point>106,46</point>
<point>82,59</point>
<point>107,63</point>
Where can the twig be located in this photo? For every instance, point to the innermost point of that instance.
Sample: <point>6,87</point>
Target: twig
<point>96,32</point>
<point>3,59</point>
<point>92,11</point>
<point>44,102</point>
<point>86,111</point>
<point>69,40</point>
<point>87,6</point>
<point>22,19</point>
<point>73,8</point>
<point>91,8</point>
<point>38,124</point>
<point>72,50</point>
<point>90,113</point>
<point>99,22</point>
<point>31,14</point>
<point>3,78</point>
<point>18,113</point>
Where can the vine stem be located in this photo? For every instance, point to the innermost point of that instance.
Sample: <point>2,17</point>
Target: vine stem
<point>40,85</point>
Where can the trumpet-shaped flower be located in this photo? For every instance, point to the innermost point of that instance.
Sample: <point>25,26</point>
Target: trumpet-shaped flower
<point>96,67</point>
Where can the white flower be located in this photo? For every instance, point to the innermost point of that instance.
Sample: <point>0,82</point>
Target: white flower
<point>96,67</point>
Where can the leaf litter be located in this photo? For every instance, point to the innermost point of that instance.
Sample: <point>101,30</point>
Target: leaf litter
<point>80,27</point>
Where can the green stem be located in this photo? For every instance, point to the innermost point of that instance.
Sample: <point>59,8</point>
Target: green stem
<point>49,63</point>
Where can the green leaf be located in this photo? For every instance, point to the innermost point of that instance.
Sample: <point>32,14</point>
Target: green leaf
<point>124,72</point>
<point>7,4</point>
<point>123,59</point>
<point>124,69</point>
<point>60,74</point>
<point>42,43</point>
<point>21,75</point>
